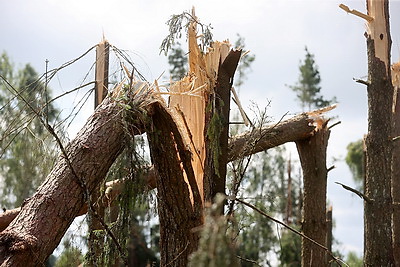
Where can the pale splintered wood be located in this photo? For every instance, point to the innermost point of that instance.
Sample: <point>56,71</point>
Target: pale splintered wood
<point>187,98</point>
<point>378,30</point>
<point>101,73</point>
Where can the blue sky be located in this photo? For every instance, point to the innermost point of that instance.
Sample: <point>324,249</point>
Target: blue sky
<point>275,31</point>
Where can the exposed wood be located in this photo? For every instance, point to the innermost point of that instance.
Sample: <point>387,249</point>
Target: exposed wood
<point>378,249</point>
<point>356,12</point>
<point>396,163</point>
<point>101,72</point>
<point>312,153</point>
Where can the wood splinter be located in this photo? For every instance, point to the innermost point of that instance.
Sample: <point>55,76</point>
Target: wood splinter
<point>356,13</point>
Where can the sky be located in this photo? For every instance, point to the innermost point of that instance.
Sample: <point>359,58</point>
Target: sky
<point>277,32</point>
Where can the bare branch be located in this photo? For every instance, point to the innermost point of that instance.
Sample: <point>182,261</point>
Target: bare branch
<point>337,260</point>
<point>358,193</point>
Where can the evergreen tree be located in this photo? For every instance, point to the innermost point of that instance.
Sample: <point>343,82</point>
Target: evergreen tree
<point>177,59</point>
<point>307,88</point>
<point>26,149</point>
<point>353,260</point>
<point>71,255</point>
<point>355,160</point>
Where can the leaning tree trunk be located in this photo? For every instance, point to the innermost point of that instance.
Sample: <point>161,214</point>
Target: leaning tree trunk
<point>312,153</point>
<point>248,143</point>
<point>44,218</point>
<point>378,250</point>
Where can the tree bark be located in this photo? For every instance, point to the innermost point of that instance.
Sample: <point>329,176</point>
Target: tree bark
<point>43,220</point>
<point>217,128</point>
<point>396,164</point>
<point>312,153</point>
<point>263,138</point>
<point>179,215</point>
<point>95,240</point>
<point>378,250</point>
<point>329,235</point>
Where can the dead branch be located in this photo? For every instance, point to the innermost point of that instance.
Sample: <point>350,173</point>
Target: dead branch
<point>358,193</point>
<point>337,260</point>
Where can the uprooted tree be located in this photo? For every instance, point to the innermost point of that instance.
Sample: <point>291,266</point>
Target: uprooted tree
<point>189,147</point>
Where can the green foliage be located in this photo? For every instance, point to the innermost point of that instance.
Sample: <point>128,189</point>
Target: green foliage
<point>215,247</point>
<point>133,208</point>
<point>213,134</point>
<point>178,61</point>
<point>27,152</point>
<point>265,185</point>
<point>307,87</point>
<point>180,22</point>
<point>355,160</point>
<point>290,254</point>
<point>353,260</point>
<point>70,257</point>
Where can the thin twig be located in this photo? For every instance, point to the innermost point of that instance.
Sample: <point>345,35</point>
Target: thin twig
<point>337,260</point>
<point>333,125</point>
<point>70,91</point>
<point>367,83</point>
<point>330,168</point>
<point>79,179</point>
<point>358,193</point>
<point>247,260</point>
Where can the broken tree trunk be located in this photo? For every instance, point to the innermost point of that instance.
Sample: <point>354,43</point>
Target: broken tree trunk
<point>95,240</point>
<point>195,133</point>
<point>180,207</point>
<point>312,153</point>
<point>43,220</point>
<point>396,163</point>
<point>251,142</point>
<point>378,250</point>
<point>217,127</point>
<point>201,102</point>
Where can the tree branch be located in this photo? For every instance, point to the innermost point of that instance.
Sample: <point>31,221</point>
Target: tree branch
<point>358,193</point>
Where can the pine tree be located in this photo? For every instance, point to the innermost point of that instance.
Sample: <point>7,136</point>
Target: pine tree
<point>307,87</point>
<point>177,59</point>
<point>26,148</point>
<point>355,160</point>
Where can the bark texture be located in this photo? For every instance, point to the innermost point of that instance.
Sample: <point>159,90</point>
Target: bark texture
<point>260,139</point>
<point>33,235</point>
<point>396,164</point>
<point>179,215</point>
<point>312,152</point>
<point>217,127</point>
<point>378,250</point>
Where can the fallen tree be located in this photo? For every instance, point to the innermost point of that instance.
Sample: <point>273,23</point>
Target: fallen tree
<point>297,128</point>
